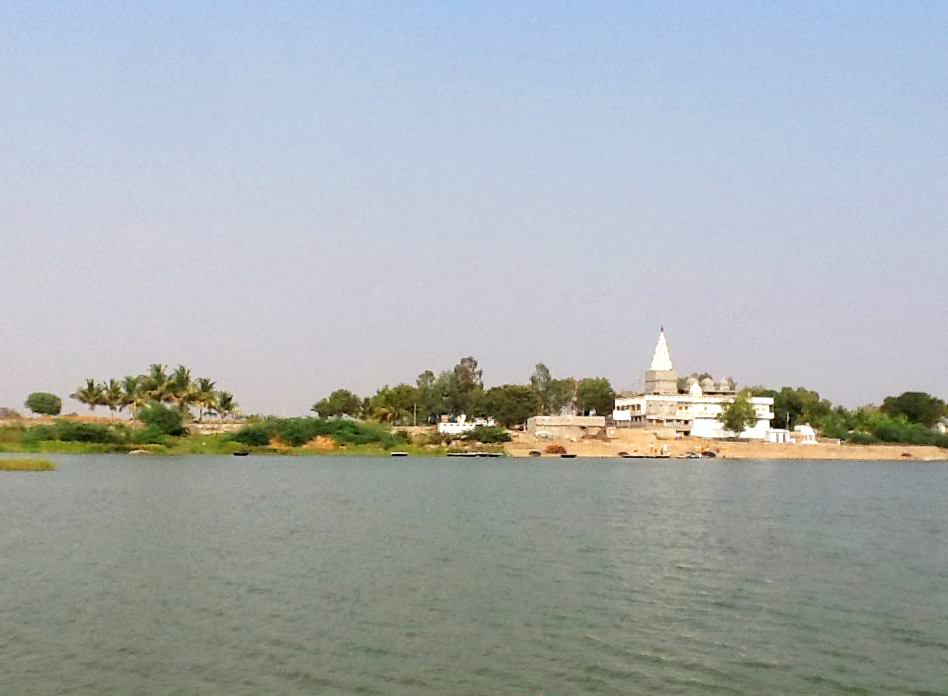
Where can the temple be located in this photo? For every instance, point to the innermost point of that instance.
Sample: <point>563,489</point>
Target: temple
<point>692,411</point>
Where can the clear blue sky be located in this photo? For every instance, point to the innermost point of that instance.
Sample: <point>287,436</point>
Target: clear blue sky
<point>294,197</point>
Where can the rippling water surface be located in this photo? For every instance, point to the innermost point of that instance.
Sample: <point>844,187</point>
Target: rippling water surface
<point>275,575</point>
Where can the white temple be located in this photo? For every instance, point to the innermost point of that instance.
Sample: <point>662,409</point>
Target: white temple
<point>661,360</point>
<point>694,412</point>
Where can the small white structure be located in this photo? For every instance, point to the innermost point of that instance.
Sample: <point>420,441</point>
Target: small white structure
<point>779,436</point>
<point>804,434</point>
<point>941,426</point>
<point>462,425</point>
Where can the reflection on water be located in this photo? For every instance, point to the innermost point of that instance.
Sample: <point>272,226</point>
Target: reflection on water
<point>427,576</point>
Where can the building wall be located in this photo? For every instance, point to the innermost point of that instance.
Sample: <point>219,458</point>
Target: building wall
<point>567,427</point>
<point>696,416</point>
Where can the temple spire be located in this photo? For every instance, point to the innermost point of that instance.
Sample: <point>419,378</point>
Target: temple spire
<point>661,360</point>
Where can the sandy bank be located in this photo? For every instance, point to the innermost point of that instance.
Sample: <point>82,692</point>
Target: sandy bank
<point>644,442</point>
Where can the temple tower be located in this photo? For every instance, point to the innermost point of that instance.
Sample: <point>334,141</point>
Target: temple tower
<point>661,378</point>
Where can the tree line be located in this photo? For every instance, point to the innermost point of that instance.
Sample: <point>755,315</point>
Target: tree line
<point>461,391</point>
<point>158,386</point>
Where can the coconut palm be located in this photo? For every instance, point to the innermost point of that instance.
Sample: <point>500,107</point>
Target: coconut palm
<point>91,394</point>
<point>182,390</point>
<point>156,385</point>
<point>226,406</point>
<point>204,395</point>
<point>113,395</point>
<point>133,397</point>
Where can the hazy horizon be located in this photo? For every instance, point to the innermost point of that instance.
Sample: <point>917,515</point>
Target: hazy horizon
<point>290,199</point>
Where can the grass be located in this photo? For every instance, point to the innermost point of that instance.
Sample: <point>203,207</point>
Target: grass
<point>350,440</point>
<point>26,465</point>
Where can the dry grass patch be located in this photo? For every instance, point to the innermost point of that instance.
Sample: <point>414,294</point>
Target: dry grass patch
<point>26,465</point>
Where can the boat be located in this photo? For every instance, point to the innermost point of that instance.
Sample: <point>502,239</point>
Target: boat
<point>568,455</point>
<point>399,454</point>
<point>240,453</point>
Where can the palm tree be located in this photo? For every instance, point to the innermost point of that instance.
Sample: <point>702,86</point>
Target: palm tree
<point>134,396</point>
<point>156,385</point>
<point>91,394</point>
<point>226,406</point>
<point>204,395</point>
<point>182,390</point>
<point>113,396</point>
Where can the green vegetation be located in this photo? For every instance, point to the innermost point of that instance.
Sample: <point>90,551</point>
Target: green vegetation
<point>44,404</point>
<point>511,404</point>
<point>488,435</point>
<point>904,419</point>
<point>296,432</point>
<point>341,402</point>
<point>136,391</point>
<point>161,420</point>
<point>461,391</point>
<point>26,465</point>
<point>554,394</point>
<point>738,415</point>
<point>915,407</point>
<point>596,395</point>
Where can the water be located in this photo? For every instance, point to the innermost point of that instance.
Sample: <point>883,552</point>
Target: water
<point>122,575</point>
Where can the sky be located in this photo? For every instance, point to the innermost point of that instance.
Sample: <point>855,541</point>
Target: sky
<point>295,197</point>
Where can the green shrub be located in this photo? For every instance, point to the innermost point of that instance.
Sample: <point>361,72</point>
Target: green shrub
<point>166,419</point>
<point>488,435</point>
<point>254,434</point>
<point>298,431</point>
<point>149,435</point>
<point>71,431</point>
<point>44,403</point>
<point>863,439</point>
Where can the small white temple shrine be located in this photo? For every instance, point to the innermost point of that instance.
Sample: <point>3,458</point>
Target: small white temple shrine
<point>692,412</point>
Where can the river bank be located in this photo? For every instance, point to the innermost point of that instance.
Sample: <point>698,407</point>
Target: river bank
<point>645,443</point>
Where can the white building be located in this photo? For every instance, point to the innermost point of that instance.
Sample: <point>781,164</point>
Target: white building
<point>694,412</point>
<point>463,425</point>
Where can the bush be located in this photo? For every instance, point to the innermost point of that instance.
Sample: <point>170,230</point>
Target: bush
<point>44,403</point>
<point>255,434</point>
<point>149,435</point>
<point>488,435</point>
<point>863,439</point>
<point>295,432</point>
<point>69,431</point>
<point>165,419</point>
<point>554,449</point>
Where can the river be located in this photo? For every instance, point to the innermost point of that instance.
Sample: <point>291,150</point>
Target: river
<point>337,575</point>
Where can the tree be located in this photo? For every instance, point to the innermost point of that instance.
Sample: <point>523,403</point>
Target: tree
<point>559,395</point>
<point>916,407</point>
<point>738,415</point>
<point>511,404</point>
<point>90,394</point>
<point>596,394</point>
<point>394,404</point>
<point>182,390</point>
<point>540,383</point>
<point>133,396</point>
<point>44,403</point>
<point>225,404</point>
<point>430,401</point>
<point>112,395</point>
<point>165,419</point>
<point>341,402</point>
<point>156,385</point>
<point>467,381</point>
<point>204,395</point>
